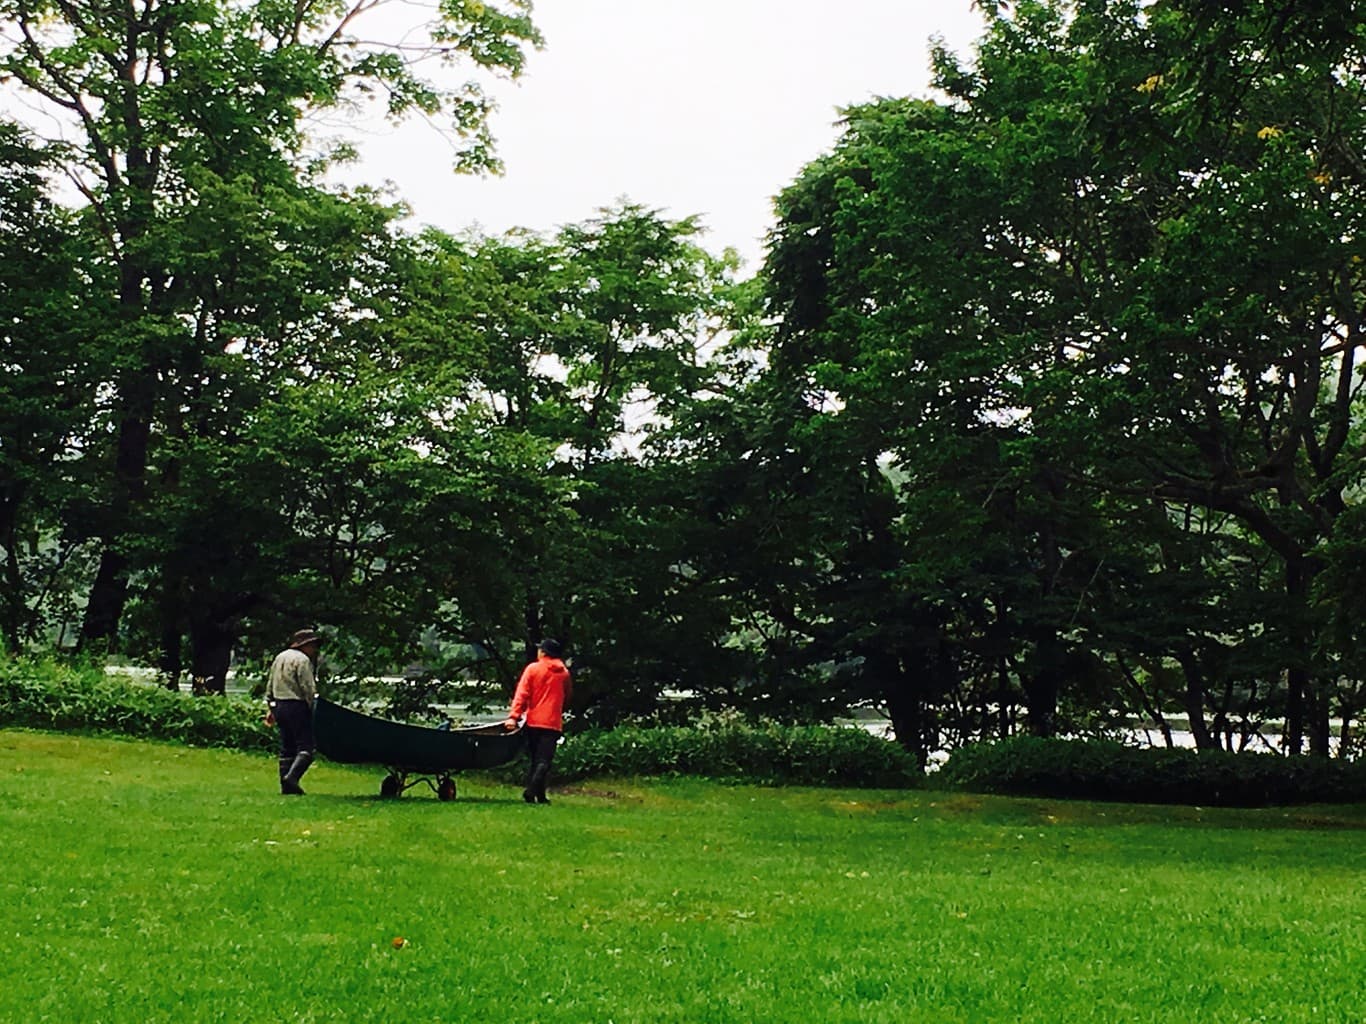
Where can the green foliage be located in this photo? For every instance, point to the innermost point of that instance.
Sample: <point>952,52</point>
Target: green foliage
<point>1047,397</point>
<point>216,270</point>
<point>50,695</point>
<point>1091,312</point>
<point>727,747</point>
<point>1103,770</point>
<point>49,377</point>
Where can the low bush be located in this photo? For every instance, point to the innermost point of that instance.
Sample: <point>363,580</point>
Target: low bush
<point>729,748</point>
<point>54,695</point>
<point>1105,770</point>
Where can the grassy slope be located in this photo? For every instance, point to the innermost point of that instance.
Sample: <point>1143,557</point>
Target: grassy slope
<point>147,882</point>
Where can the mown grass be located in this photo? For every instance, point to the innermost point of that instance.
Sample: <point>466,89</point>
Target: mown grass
<point>149,882</point>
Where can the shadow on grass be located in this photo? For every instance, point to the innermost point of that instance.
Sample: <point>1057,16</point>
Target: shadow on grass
<point>424,799</point>
<point>1094,814</point>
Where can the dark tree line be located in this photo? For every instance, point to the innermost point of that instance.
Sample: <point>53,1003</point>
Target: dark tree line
<point>1043,411</point>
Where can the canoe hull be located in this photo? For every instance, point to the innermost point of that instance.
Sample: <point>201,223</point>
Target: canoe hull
<point>350,737</point>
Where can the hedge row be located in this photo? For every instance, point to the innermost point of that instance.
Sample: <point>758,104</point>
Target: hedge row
<point>1099,770</point>
<point>734,750</point>
<point>51,695</point>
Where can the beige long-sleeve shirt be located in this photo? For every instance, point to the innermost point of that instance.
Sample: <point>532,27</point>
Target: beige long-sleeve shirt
<point>291,677</point>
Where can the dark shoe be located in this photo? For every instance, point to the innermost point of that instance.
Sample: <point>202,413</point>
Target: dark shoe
<point>290,783</point>
<point>528,796</point>
<point>542,800</point>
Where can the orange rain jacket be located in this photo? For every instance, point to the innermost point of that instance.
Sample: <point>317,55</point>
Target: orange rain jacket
<point>542,693</point>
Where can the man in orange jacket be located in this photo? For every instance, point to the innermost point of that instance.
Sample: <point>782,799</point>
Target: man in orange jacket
<point>538,704</point>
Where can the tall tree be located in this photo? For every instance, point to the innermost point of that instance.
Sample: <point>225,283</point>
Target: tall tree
<point>47,388</point>
<point>1233,347</point>
<point>1104,281</point>
<point>171,101</point>
<point>590,337</point>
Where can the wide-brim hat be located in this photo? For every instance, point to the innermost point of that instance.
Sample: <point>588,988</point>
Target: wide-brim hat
<point>304,636</point>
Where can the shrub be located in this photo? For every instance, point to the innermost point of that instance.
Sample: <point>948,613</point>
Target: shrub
<point>1105,770</point>
<point>52,695</point>
<point>728,748</point>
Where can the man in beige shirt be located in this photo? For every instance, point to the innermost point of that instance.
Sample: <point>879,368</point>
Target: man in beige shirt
<point>291,690</point>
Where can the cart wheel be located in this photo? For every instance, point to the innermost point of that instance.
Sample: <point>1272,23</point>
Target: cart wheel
<point>391,787</point>
<point>445,789</point>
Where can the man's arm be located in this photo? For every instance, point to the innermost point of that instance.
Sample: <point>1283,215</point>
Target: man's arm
<point>520,699</point>
<point>308,679</point>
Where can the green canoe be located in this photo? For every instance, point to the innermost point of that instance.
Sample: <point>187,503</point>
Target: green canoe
<point>351,737</point>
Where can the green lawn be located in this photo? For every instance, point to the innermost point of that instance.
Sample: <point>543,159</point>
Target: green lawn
<point>147,882</point>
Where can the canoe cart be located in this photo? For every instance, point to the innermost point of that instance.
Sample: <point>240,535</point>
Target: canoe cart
<point>413,754</point>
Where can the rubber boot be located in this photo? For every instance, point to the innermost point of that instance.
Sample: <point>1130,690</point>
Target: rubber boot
<point>290,783</point>
<point>536,783</point>
<point>285,764</point>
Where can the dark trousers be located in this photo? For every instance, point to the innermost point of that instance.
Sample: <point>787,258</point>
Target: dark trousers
<point>540,744</point>
<point>294,718</point>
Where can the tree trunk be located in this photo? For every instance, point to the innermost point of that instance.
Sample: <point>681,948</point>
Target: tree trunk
<point>1002,697</point>
<point>531,616</point>
<point>13,622</point>
<point>1149,706</point>
<point>1195,698</point>
<point>1320,724</point>
<point>905,703</point>
<point>1307,708</point>
<point>212,635</point>
<point>104,608</point>
<point>109,594</point>
<point>1043,686</point>
<point>169,663</point>
<point>137,389</point>
<point>211,654</point>
<point>1293,740</point>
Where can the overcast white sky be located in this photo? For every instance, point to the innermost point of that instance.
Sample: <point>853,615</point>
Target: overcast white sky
<point>706,107</point>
